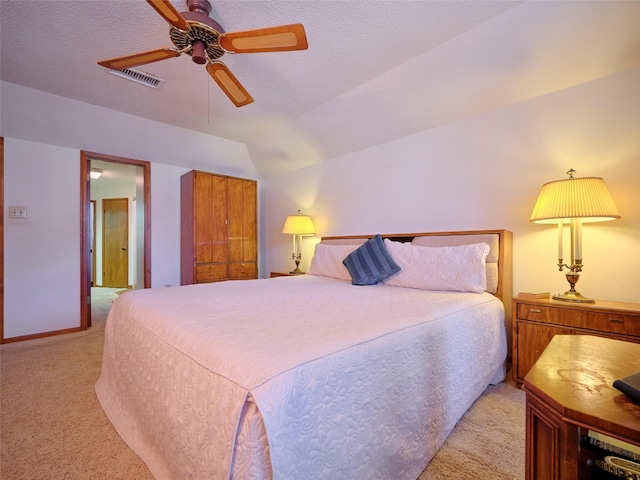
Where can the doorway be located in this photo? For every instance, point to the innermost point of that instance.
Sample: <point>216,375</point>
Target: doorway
<point>138,207</point>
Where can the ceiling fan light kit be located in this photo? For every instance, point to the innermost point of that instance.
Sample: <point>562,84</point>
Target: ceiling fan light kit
<point>196,34</point>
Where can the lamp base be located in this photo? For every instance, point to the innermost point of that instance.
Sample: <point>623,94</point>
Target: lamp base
<point>573,296</point>
<point>296,271</point>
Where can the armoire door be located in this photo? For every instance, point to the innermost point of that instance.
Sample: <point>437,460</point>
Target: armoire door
<point>243,222</point>
<point>210,216</point>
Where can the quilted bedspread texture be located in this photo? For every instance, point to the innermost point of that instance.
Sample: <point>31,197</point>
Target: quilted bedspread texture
<point>295,377</point>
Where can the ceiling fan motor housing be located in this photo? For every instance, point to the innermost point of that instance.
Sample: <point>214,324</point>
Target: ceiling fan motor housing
<point>203,35</point>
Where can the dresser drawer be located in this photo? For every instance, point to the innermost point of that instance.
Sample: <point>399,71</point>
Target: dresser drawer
<point>243,270</point>
<point>211,272</point>
<point>590,320</point>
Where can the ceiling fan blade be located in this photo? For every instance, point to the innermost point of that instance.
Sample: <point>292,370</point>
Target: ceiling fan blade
<point>139,59</point>
<point>274,39</point>
<point>229,84</point>
<point>170,14</point>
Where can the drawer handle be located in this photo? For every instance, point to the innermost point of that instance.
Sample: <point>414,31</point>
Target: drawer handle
<point>535,310</point>
<point>616,320</point>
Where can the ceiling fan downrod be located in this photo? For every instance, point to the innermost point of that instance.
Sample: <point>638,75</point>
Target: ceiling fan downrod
<point>199,6</point>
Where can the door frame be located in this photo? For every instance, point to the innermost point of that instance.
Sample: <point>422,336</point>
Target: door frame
<point>92,214</point>
<point>2,240</point>
<point>85,226</point>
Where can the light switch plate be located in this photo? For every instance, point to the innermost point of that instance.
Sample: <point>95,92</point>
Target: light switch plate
<point>18,212</point>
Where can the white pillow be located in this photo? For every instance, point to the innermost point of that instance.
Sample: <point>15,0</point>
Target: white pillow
<point>459,268</point>
<point>327,260</point>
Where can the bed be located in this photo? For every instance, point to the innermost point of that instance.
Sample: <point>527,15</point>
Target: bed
<point>309,376</point>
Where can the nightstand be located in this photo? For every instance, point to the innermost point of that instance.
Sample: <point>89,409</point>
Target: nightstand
<point>283,274</point>
<point>536,322</point>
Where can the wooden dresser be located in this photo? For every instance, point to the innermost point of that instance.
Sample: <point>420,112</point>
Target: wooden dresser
<point>535,322</point>
<point>219,228</point>
<point>571,400</point>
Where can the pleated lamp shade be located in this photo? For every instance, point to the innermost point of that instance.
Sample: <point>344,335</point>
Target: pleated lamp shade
<point>586,198</point>
<point>298,225</point>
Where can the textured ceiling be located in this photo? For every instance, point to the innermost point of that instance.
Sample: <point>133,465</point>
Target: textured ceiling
<point>374,71</point>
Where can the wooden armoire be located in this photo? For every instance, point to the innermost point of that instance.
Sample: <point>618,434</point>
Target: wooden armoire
<point>219,228</point>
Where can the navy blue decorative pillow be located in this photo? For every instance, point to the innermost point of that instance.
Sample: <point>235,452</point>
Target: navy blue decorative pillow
<point>370,263</point>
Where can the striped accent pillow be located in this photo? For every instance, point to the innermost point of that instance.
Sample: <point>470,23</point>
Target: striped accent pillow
<point>370,263</point>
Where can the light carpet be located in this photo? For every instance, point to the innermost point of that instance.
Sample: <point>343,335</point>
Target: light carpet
<point>52,426</point>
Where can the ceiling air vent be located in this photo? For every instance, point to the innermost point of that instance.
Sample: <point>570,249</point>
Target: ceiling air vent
<point>138,76</point>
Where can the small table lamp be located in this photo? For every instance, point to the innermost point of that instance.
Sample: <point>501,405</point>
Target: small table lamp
<point>574,201</point>
<point>298,225</point>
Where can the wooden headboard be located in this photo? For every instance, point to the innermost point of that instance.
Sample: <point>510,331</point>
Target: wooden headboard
<point>504,290</point>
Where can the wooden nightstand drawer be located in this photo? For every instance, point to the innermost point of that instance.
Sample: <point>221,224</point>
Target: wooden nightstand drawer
<point>535,312</point>
<point>606,322</point>
<point>613,323</point>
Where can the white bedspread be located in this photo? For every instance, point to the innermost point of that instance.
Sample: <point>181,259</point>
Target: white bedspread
<point>295,377</point>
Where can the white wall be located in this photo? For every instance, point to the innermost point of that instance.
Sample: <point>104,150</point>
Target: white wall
<point>486,172</point>
<point>165,225</point>
<point>42,253</point>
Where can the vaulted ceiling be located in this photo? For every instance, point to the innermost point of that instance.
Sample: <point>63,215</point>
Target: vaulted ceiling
<point>374,71</point>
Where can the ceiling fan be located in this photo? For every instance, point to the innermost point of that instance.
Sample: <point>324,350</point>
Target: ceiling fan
<point>201,37</point>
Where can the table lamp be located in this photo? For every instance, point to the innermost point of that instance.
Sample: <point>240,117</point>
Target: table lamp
<point>298,226</point>
<point>574,201</point>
